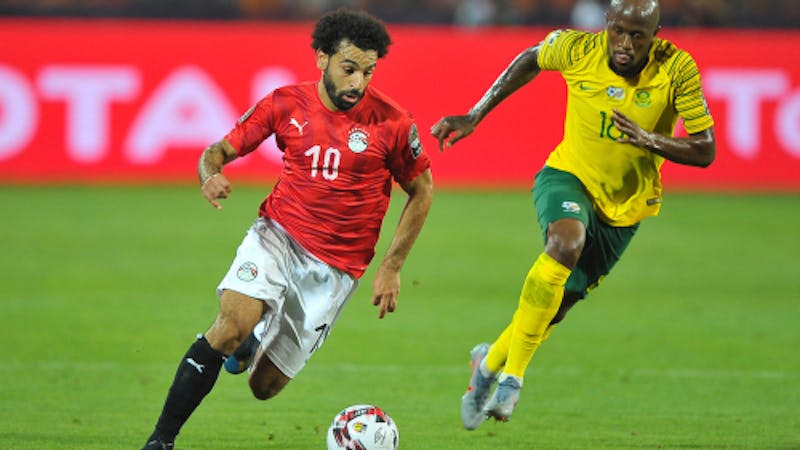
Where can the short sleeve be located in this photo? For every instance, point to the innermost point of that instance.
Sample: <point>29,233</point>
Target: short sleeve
<point>408,158</point>
<point>253,127</point>
<point>563,48</point>
<point>690,103</point>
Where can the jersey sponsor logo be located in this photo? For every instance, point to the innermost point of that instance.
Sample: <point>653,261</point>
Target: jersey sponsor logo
<point>571,207</point>
<point>247,114</point>
<point>642,99</point>
<point>247,271</point>
<point>616,93</point>
<point>293,121</point>
<point>358,140</point>
<point>413,141</point>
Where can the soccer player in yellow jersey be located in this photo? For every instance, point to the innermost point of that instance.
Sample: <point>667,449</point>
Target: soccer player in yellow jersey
<point>626,90</point>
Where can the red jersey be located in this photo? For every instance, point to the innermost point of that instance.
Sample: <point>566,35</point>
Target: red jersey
<point>336,181</point>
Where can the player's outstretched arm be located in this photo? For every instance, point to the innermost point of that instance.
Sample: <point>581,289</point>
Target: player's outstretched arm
<point>213,183</point>
<point>697,149</point>
<point>386,286</point>
<point>524,68</point>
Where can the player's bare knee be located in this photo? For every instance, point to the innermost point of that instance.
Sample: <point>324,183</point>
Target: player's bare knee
<point>565,241</point>
<point>567,253</point>
<point>265,390</point>
<point>227,333</point>
<point>261,393</point>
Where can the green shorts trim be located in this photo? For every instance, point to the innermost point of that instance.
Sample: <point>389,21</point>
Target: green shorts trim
<point>558,195</point>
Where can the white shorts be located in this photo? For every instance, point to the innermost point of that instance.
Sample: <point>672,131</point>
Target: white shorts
<point>304,296</point>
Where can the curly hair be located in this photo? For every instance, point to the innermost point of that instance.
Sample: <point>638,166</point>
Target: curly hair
<point>361,29</point>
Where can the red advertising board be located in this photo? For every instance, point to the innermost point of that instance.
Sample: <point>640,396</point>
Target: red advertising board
<point>136,101</point>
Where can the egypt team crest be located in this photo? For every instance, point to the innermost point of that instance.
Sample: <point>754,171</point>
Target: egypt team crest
<point>358,140</point>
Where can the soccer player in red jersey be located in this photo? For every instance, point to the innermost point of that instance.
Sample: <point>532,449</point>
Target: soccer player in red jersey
<point>343,143</point>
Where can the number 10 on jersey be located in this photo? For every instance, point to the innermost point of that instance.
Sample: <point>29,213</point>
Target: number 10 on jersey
<point>330,166</point>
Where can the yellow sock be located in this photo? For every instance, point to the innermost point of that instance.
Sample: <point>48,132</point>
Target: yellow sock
<point>498,352</point>
<point>548,331</point>
<point>496,358</point>
<point>538,303</point>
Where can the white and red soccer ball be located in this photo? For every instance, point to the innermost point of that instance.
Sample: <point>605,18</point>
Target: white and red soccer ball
<point>363,427</point>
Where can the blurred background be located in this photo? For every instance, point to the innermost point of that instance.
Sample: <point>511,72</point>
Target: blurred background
<point>580,13</point>
<point>132,90</point>
<point>111,255</point>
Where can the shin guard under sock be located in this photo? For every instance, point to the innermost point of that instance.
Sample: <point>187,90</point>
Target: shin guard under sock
<point>194,379</point>
<point>541,296</point>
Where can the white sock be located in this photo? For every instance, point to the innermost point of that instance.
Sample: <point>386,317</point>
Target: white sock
<point>504,375</point>
<point>485,370</point>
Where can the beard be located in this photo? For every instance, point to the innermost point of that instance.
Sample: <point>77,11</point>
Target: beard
<point>630,72</point>
<point>337,98</point>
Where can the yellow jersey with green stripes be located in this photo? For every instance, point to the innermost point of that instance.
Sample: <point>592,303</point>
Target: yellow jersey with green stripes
<point>624,181</point>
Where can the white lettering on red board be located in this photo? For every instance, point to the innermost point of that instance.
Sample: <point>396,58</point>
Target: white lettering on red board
<point>187,109</point>
<point>744,92</point>
<point>19,112</point>
<point>87,92</point>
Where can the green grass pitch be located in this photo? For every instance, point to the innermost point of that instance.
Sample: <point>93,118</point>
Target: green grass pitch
<point>691,343</point>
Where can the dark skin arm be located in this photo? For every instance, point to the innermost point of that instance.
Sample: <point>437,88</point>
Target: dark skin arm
<point>520,72</point>
<point>697,149</point>
<point>213,183</point>
<point>386,286</point>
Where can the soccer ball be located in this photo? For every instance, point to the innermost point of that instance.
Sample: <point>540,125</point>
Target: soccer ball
<point>363,427</point>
